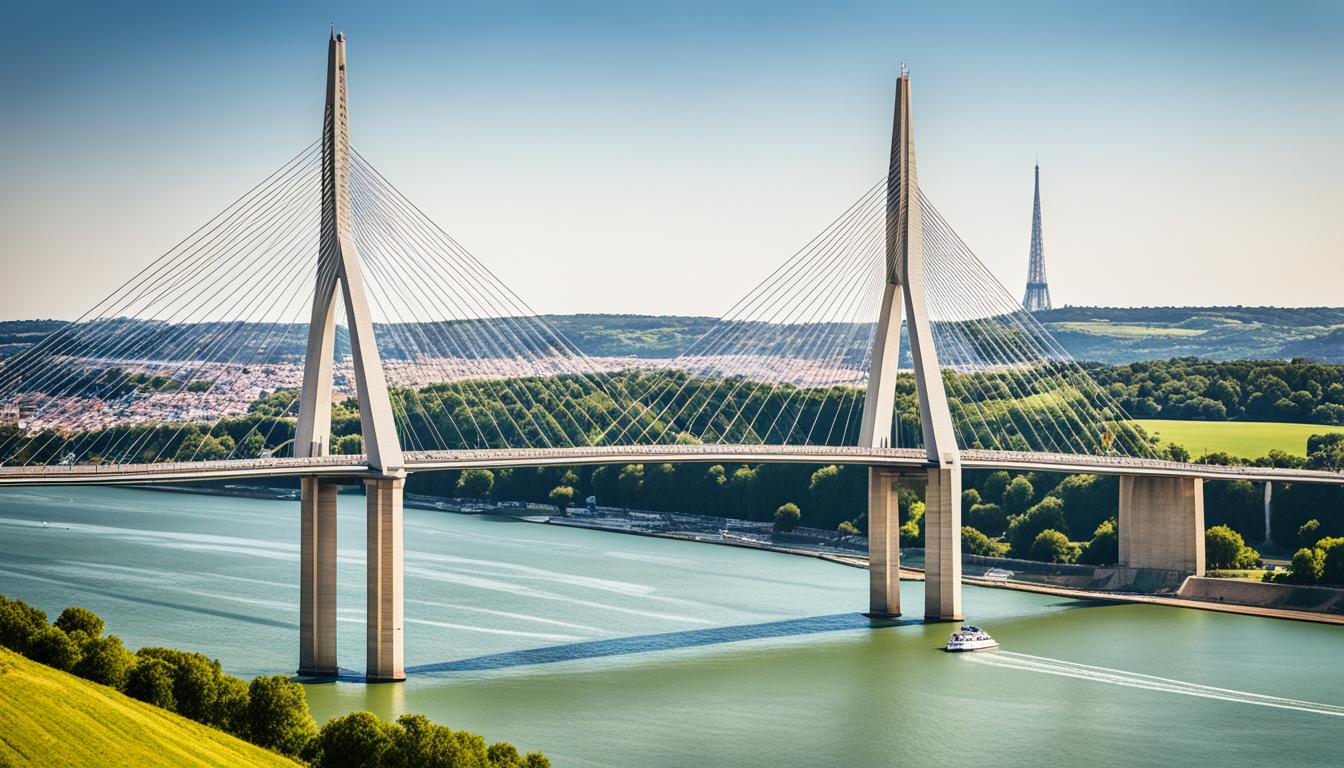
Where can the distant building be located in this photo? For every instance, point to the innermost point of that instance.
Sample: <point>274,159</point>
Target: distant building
<point>1037,297</point>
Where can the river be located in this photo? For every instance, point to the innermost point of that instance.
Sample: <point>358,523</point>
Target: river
<point>604,649</point>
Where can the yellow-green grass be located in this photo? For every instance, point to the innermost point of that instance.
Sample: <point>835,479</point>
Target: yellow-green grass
<point>1125,330</point>
<point>1249,439</point>
<point>51,718</point>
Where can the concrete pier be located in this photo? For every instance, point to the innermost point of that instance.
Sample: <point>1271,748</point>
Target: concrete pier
<point>386,641</point>
<point>317,577</point>
<point>884,545</point>
<point>942,544</point>
<point>1162,523</point>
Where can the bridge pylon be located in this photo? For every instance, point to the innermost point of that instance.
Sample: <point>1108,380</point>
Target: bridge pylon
<point>904,290</point>
<point>339,272</point>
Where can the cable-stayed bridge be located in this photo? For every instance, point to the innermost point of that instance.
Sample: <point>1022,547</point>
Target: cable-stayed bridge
<point>322,326</point>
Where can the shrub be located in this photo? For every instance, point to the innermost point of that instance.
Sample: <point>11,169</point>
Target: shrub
<point>277,715</point>
<point>1051,546</point>
<point>787,517</point>
<point>229,712</point>
<point>1309,532</point>
<point>105,661</point>
<point>1224,548</point>
<point>847,528</point>
<point>83,620</point>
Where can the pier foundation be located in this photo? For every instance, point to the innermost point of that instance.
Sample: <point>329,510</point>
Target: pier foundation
<point>1162,523</point>
<point>384,617</point>
<point>317,577</point>
<point>884,545</point>
<point>942,543</point>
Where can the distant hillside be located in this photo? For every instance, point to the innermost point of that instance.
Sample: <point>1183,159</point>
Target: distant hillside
<point>52,718</point>
<point>1109,335</point>
<point>1096,334</point>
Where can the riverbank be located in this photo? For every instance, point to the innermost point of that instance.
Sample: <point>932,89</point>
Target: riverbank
<point>1207,601</point>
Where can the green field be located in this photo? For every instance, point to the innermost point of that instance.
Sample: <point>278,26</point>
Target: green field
<point>50,718</point>
<point>1249,439</point>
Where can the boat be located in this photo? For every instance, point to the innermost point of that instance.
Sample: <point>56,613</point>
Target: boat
<point>970,638</point>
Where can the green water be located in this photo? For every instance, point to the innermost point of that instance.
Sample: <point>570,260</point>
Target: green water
<point>612,650</point>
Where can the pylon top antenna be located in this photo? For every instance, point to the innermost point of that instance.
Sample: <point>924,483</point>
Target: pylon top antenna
<point>905,71</point>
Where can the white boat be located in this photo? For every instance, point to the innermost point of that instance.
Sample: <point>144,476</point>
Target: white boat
<point>971,639</point>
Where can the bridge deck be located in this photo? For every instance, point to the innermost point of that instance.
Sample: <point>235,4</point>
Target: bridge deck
<point>908,458</point>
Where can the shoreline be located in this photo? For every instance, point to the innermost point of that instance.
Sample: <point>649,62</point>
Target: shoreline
<point>917,574</point>
<point>907,573</point>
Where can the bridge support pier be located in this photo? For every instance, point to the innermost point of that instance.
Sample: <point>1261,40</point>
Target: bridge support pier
<point>884,545</point>
<point>1162,523</point>
<point>386,641</point>
<point>942,544</point>
<point>317,577</point>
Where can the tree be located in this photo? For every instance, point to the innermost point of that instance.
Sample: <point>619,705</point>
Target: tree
<point>106,661</point>
<point>195,681</point>
<point>1023,529</point>
<point>80,620</point>
<point>151,681</point>
<point>19,624</point>
<point>356,740</point>
<point>974,542</point>
<point>1309,532</point>
<point>1224,548</point>
<point>995,485</point>
<point>1104,548</point>
<point>347,445</point>
<point>277,715</point>
<point>1308,566</point>
<point>1018,495</point>
<point>912,530</point>
<point>561,496</point>
<point>1332,566</point>
<point>53,647</point>
<point>989,518</point>
<point>787,517</point>
<point>1051,546</point>
<point>475,483</point>
<point>847,528</point>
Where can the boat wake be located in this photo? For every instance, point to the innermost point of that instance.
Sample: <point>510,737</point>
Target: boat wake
<point>1028,663</point>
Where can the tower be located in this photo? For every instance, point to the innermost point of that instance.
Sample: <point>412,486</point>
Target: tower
<point>1037,297</point>
<point>339,272</point>
<point>905,290</point>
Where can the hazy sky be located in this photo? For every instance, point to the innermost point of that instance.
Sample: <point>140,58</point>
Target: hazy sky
<point>663,157</point>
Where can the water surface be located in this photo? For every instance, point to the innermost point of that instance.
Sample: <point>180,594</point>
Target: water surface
<point>605,649</point>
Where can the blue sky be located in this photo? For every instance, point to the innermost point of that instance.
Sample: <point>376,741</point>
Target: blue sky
<point>663,157</point>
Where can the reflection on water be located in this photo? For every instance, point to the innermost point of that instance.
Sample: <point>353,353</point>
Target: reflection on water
<point>611,650</point>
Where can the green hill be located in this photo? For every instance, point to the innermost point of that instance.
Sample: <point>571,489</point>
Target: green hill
<point>51,718</point>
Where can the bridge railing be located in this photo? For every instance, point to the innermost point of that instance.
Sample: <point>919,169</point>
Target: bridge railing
<point>181,467</point>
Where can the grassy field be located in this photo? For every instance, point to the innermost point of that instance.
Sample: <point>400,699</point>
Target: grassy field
<point>50,718</point>
<point>1250,439</point>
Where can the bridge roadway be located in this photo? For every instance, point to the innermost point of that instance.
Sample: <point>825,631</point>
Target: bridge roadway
<point>892,458</point>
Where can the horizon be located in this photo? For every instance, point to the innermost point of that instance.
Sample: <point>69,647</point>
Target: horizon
<point>742,131</point>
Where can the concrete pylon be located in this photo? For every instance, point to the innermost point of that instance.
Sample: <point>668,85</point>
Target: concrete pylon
<point>317,581</point>
<point>338,269</point>
<point>905,290</point>
<point>1161,523</point>
<point>884,545</point>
